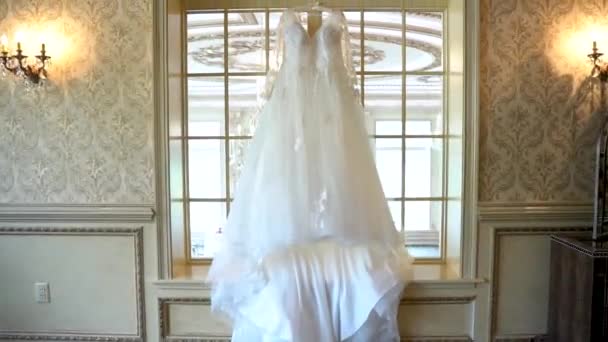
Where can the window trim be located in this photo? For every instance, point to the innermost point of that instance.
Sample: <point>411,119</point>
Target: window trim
<point>469,234</point>
<point>162,9</point>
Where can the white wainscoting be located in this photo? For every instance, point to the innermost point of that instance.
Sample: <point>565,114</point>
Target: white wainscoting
<point>95,278</point>
<point>507,300</point>
<point>190,319</point>
<point>514,255</point>
<point>446,317</point>
<point>93,259</point>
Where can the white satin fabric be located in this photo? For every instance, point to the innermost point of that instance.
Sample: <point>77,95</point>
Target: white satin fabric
<point>310,252</point>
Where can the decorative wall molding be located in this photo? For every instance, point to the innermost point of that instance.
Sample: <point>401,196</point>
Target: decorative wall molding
<point>405,339</point>
<point>438,300</point>
<point>497,233</point>
<point>68,337</point>
<point>437,339</point>
<point>161,135</point>
<point>201,285</point>
<point>532,212</point>
<point>177,284</point>
<point>500,219</point>
<point>196,339</point>
<point>447,284</point>
<point>137,235</point>
<point>521,338</point>
<point>471,162</point>
<point>76,213</point>
<point>577,245</point>
<point>163,318</point>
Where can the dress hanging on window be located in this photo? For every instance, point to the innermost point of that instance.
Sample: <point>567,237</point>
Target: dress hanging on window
<point>310,251</point>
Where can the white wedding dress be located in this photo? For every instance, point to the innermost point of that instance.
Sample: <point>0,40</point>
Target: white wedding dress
<point>310,252</point>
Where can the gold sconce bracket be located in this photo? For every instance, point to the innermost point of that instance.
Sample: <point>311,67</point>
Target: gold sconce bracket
<point>17,64</point>
<point>600,69</point>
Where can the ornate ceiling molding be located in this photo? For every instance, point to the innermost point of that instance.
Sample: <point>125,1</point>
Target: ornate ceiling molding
<point>240,43</point>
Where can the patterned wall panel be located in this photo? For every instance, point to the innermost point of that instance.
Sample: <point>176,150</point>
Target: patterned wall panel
<point>88,136</point>
<point>537,106</point>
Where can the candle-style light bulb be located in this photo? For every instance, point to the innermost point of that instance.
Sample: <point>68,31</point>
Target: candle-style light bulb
<point>42,41</point>
<point>4,43</point>
<point>18,39</point>
<point>594,45</point>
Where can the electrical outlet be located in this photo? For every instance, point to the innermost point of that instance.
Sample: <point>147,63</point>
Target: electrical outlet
<point>42,292</point>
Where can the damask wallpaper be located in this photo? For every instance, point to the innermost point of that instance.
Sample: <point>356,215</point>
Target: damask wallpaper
<point>88,136</point>
<point>538,108</point>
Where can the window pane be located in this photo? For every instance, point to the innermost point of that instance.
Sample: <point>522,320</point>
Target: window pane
<point>247,42</point>
<point>207,220</point>
<point>177,218</point>
<point>424,104</point>
<point>176,174</point>
<point>206,168</point>
<point>455,167</point>
<point>395,209</point>
<point>383,95</point>
<point>238,153</point>
<point>383,36</point>
<point>423,215</point>
<point>424,39</point>
<point>382,51</point>
<point>205,42</point>
<point>245,96</point>
<point>423,167</point>
<point>206,106</point>
<point>388,163</point>
<point>388,127</point>
<point>419,127</point>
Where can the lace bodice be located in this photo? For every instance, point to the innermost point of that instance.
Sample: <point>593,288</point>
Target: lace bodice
<point>328,51</point>
<point>301,50</point>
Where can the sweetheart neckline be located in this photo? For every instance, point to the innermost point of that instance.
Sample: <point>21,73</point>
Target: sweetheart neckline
<point>314,35</point>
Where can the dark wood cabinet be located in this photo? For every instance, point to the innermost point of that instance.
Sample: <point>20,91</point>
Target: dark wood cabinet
<point>578,308</point>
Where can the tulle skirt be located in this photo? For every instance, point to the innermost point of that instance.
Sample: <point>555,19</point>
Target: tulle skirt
<point>310,252</point>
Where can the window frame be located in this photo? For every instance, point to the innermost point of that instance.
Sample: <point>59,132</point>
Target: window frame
<point>165,9</point>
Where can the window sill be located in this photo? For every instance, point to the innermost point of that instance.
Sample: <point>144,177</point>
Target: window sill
<point>425,275</point>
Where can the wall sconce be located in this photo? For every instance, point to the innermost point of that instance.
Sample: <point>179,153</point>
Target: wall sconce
<point>33,73</point>
<point>600,69</point>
